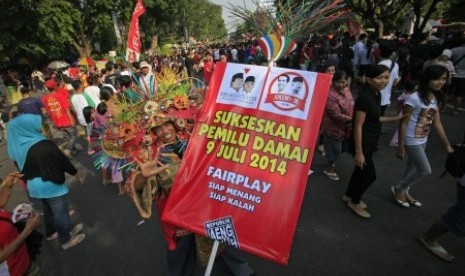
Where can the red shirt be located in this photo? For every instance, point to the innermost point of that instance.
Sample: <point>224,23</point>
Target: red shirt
<point>56,105</point>
<point>17,263</point>
<point>208,67</point>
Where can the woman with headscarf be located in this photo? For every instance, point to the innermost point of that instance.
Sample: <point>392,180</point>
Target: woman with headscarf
<point>44,166</point>
<point>366,125</point>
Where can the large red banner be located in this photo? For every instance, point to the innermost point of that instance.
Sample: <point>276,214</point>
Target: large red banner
<point>134,47</point>
<point>244,173</point>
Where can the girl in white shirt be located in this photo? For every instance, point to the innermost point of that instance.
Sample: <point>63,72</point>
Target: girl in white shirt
<point>421,113</point>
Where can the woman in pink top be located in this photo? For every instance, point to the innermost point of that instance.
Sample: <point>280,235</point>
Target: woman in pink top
<point>336,120</point>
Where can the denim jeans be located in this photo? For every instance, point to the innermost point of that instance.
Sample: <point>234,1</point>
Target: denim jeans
<point>417,167</point>
<point>56,217</point>
<point>333,148</point>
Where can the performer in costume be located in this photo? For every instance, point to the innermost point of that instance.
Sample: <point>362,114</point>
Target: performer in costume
<point>154,131</point>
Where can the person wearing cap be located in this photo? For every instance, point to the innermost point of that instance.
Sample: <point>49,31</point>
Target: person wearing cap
<point>236,82</point>
<point>59,112</point>
<point>249,84</point>
<point>297,85</point>
<point>146,80</point>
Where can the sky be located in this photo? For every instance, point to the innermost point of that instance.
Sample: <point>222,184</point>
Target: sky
<point>232,22</point>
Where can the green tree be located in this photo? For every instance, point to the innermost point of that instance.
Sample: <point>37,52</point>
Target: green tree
<point>423,11</point>
<point>48,29</point>
<point>377,12</point>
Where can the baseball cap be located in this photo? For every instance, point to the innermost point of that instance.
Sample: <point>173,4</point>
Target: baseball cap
<point>50,84</point>
<point>144,64</point>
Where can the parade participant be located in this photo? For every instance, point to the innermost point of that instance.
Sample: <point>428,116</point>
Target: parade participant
<point>182,250</point>
<point>362,56</point>
<point>33,105</point>
<point>93,91</point>
<point>44,166</point>
<point>386,49</point>
<point>88,113</point>
<point>366,129</point>
<point>327,68</point>
<point>79,101</point>
<point>147,80</point>
<point>421,113</point>
<point>58,110</point>
<point>107,111</point>
<point>335,125</point>
<point>14,257</point>
<point>207,68</point>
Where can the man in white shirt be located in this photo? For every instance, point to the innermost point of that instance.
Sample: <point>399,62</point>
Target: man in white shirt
<point>78,101</point>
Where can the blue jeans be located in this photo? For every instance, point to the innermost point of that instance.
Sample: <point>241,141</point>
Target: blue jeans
<point>56,217</point>
<point>417,167</point>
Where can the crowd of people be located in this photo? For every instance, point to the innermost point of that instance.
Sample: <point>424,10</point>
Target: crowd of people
<point>80,101</point>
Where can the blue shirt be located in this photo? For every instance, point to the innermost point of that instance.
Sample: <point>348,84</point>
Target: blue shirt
<point>38,188</point>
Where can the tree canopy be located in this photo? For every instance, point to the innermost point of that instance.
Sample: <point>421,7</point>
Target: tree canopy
<point>53,29</point>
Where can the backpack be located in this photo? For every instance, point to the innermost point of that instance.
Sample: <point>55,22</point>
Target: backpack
<point>455,162</point>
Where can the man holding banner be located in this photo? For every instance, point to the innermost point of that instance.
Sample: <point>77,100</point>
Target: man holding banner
<point>184,245</point>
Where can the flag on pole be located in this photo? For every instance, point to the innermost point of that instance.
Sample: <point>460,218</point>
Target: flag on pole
<point>133,48</point>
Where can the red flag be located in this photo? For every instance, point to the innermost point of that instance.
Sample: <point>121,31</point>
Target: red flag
<point>133,49</point>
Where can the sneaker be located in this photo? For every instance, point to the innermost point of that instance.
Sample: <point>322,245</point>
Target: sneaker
<point>331,175</point>
<point>77,228</point>
<point>74,240</point>
<point>52,236</point>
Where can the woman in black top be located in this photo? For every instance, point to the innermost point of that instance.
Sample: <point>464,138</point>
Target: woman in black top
<point>366,125</point>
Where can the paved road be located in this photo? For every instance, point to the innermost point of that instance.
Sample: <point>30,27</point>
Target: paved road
<point>329,240</point>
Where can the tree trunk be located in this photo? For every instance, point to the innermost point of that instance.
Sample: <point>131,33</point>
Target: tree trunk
<point>380,30</point>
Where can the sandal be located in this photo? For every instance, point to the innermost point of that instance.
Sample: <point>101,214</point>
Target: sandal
<point>346,199</point>
<point>411,200</point>
<point>358,211</point>
<point>401,202</point>
<point>437,250</point>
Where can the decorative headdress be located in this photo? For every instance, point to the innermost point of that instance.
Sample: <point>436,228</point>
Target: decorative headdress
<point>291,21</point>
<point>128,139</point>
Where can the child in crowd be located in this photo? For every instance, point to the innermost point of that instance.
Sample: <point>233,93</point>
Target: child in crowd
<point>104,112</point>
<point>410,86</point>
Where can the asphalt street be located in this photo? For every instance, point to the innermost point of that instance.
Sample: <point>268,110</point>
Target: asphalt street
<point>329,239</point>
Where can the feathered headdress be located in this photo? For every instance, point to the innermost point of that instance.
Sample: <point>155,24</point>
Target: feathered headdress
<point>291,21</point>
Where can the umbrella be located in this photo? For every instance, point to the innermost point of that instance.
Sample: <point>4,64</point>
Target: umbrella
<point>86,61</point>
<point>57,64</point>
